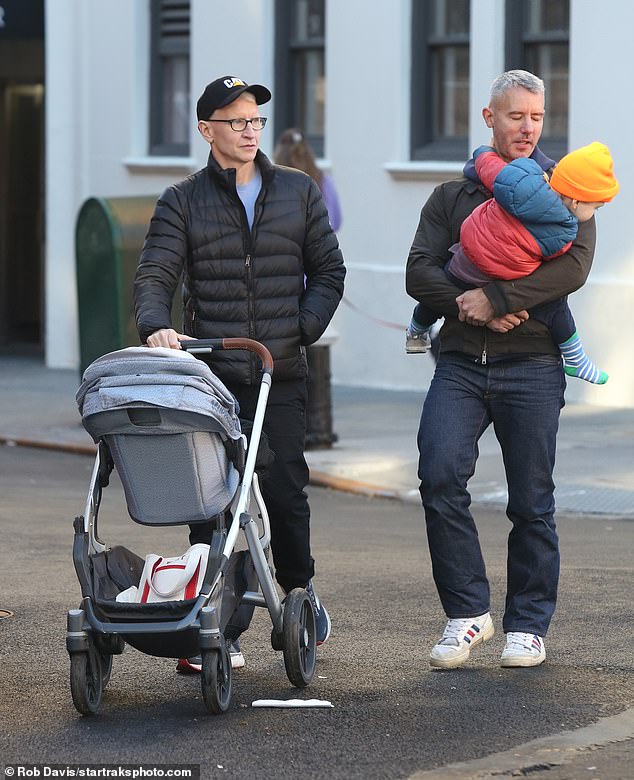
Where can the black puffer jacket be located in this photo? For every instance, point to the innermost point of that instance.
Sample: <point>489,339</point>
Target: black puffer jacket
<point>239,282</point>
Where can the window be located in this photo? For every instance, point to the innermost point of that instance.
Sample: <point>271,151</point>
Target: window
<point>440,80</point>
<point>300,82</point>
<point>170,118</point>
<point>537,39</point>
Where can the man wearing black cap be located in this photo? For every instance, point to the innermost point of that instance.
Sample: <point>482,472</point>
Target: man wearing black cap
<point>258,259</point>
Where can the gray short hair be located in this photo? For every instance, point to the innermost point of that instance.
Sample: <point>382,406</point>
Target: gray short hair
<point>516,78</point>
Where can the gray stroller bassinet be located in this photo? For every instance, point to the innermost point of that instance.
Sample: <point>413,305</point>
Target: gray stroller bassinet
<point>170,428</point>
<point>166,419</point>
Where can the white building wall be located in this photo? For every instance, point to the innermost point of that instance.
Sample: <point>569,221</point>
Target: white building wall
<point>367,128</point>
<point>64,180</point>
<point>382,192</point>
<point>600,111</point>
<point>97,108</point>
<point>231,37</point>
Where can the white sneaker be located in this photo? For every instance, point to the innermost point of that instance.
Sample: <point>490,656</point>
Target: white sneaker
<point>417,343</point>
<point>523,650</point>
<point>458,639</point>
<point>237,659</point>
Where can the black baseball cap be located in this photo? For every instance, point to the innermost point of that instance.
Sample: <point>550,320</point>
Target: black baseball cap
<point>225,90</point>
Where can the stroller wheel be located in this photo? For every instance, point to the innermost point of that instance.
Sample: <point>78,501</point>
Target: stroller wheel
<point>86,681</point>
<point>215,679</point>
<point>299,638</point>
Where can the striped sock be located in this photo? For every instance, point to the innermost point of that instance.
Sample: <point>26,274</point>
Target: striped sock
<point>577,363</point>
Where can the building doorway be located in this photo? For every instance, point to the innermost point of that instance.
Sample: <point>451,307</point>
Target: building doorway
<point>22,214</point>
<point>21,175</point>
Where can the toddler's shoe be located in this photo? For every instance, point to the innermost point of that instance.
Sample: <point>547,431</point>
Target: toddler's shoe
<point>417,343</point>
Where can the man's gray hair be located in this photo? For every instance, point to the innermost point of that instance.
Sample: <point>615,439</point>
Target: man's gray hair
<point>517,78</point>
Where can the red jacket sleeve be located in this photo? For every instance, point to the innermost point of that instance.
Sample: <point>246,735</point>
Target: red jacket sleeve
<point>488,164</point>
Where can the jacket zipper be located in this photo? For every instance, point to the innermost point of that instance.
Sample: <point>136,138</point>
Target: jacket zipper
<point>250,307</point>
<point>250,313</point>
<point>249,235</point>
<point>483,357</point>
<point>257,211</point>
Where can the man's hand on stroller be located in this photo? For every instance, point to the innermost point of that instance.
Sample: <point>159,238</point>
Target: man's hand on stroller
<point>167,337</point>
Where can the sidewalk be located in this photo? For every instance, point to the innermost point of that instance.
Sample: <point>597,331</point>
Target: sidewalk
<point>376,449</point>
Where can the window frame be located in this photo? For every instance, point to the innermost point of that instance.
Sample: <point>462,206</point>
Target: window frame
<point>423,146</point>
<point>516,43</point>
<point>287,113</point>
<point>160,46</point>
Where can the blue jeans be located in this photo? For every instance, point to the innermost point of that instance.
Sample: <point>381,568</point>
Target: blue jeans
<point>523,399</point>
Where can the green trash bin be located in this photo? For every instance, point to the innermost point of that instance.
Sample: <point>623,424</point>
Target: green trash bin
<point>109,237</point>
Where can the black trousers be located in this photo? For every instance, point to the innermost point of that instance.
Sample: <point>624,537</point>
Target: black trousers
<point>283,485</point>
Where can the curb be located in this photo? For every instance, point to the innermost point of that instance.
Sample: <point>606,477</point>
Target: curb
<point>43,444</point>
<point>317,478</point>
<point>540,755</point>
<point>344,485</point>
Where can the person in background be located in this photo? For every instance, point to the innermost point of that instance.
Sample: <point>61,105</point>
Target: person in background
<point>293,151</point>
<point>258,260</point>
<point>496,366</point>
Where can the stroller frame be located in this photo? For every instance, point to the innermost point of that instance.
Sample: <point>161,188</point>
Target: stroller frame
<point>182,629</point>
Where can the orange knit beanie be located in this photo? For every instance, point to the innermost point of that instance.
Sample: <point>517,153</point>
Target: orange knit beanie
<point>586,174</point>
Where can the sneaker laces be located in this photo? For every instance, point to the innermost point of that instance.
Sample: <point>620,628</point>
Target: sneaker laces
<point>455,631</point>
<point>518,640</point>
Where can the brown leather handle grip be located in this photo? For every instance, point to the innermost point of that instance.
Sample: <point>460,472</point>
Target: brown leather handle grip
<point>209,345</point>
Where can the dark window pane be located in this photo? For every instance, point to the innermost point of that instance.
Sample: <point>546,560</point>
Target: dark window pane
<point>439,123</point>
<point>547,16</point>
<point>308,19</point>
<point>450,17</point>
<point>450,92</point>
<point>169,76</point>
<point>300,83</point>
<point>310,91</point>
<point>176,120</point>
<point>537,39</point>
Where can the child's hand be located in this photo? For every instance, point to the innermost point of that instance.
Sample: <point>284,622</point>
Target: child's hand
<point>507,322</point>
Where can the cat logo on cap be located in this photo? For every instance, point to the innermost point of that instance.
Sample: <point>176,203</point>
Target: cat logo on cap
<point>233,82</point>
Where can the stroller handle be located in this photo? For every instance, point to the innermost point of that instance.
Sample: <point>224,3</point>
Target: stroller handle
<point>210,345</point>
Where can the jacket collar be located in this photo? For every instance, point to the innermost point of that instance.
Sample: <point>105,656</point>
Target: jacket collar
<point>227,176</point>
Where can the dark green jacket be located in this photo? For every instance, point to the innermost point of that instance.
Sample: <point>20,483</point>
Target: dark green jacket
<point>439,228</point>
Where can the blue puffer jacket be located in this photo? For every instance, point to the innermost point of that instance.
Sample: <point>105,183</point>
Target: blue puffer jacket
<point>525,223</point>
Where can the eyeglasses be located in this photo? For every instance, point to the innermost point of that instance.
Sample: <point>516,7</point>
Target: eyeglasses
<point>239,125</point>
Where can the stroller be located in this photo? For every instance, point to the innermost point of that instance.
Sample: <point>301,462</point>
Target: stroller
<point>170,428</point>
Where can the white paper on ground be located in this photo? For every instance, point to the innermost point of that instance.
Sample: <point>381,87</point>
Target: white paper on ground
<point>291,703</point>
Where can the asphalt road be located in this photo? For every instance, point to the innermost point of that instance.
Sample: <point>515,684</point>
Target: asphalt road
<point>392,717</point>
